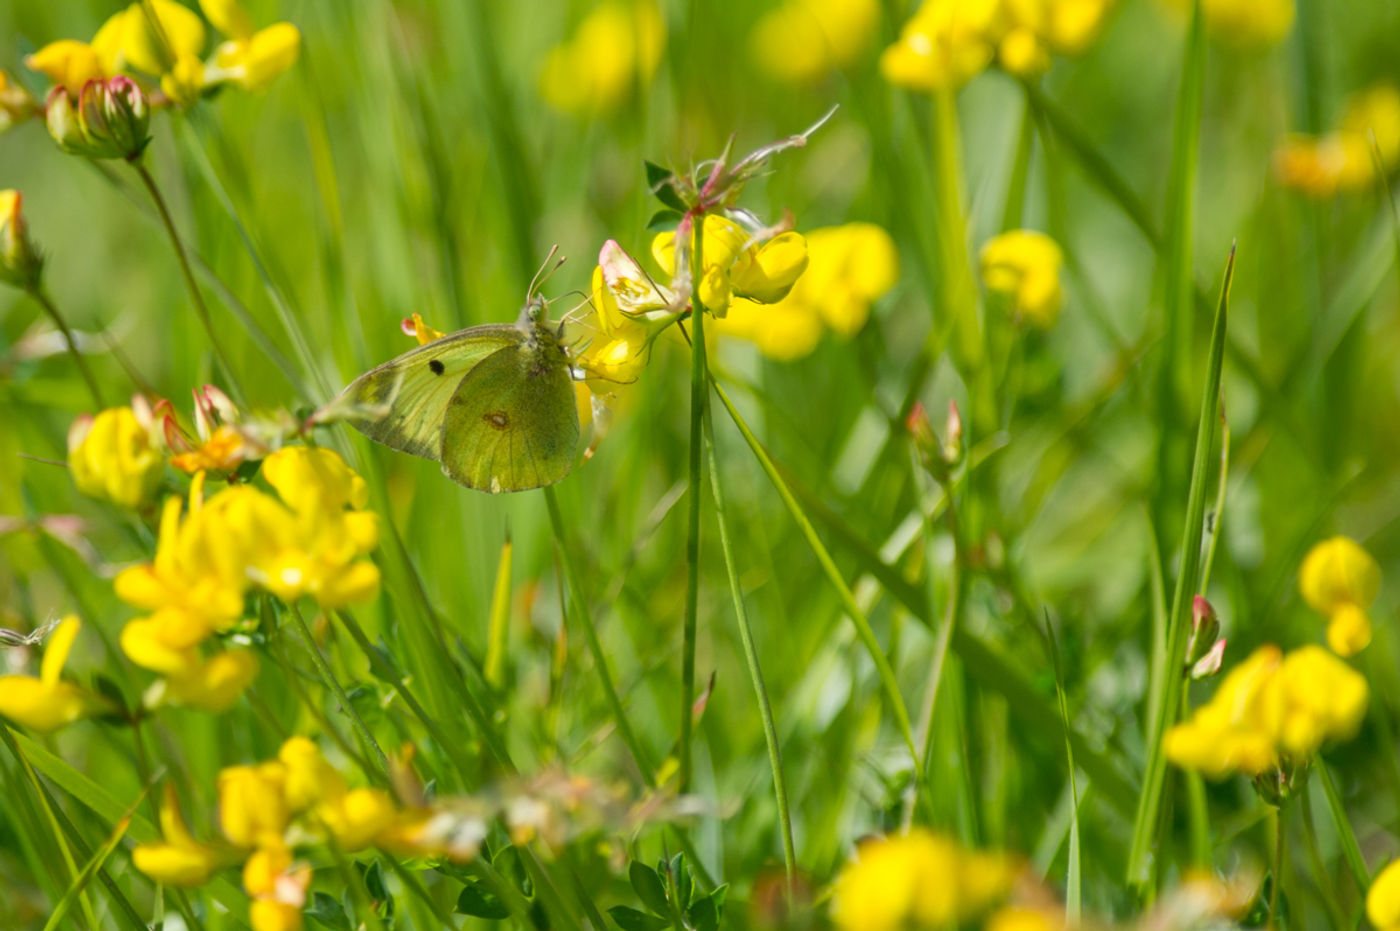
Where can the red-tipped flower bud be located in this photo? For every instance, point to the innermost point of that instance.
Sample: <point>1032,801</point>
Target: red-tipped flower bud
<point>1205,628</point>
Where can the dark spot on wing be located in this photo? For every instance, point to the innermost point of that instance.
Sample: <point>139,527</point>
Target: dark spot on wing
<point>437,366</point>
<point>498,419</point>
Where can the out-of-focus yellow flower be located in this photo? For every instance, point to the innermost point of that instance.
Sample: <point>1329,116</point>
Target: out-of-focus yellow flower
<point>1271,711</point>
<point>154,48</point>
<point>849,268</point>
<point>178,859</point>
<point>214,684</point>
<point>1345,159</point>
<point>112,457</point>
<point>615,50</point>
<point>68,63</point>
<point>1244,23</point>
<point>734,266</point>
<point>357,817</point>
<point>309,778</point>
<point>1383,899</point>
<point>16,103</point>
<point>184,82</point>
<point>804,40</point>
<point>252,807</point>
<point>918,881</point>
<point>1339,579</point>
<point>47,703</point>
<point>1025,265</point>
<point>20,262</point>
<point>255,61</point>
<point>278,887</point>
<point>1024,918</point>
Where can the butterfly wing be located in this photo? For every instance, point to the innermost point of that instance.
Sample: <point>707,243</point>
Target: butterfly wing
<point>418,385</point>
<point>512,424</point>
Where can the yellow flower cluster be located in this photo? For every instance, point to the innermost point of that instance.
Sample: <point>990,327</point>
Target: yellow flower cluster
<point>629,308</point>
<point>1272,712</point>
<point>916,881</point>
<point>1345,159</point>
<point>1340,580</point>
<point>48,703</point>
<point>263,810</point>
<point>164,39</point>
<point>1025,266</point>
<point>735,266</point>
<point>308,543</point>
<point>115,456</point>
<point>850,267</point>
<point>948,42</point>
<point>802,41</point>
<point>1244,23</point>
<point>1383,899</point>
<point>614,52</point>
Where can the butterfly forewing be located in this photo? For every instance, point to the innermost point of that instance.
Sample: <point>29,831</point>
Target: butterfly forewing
<point>425,378</point>
<point>513,422</point>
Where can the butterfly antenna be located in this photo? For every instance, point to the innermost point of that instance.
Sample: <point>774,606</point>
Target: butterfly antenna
<point>547,268</point>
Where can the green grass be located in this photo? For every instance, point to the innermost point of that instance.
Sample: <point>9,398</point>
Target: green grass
<point>767,524</point>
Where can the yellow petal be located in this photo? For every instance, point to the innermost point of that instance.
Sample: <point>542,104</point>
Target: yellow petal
<point>57,650</point>
<point>154,51</point>
<point>39,707</point>
<point>266,56</point>
<point>1336,573</point>
<point>1383,899</point>
<point>310,779</point>
<point>68,63</point>
<point>1348,630</point>
<point>216,684</point>
<point>175,864</point>
<point>772,269</point>
<point>229,17</point>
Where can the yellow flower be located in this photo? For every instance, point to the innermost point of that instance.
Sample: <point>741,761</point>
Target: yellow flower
<point>184,82</point>
<point>214,684</point>
<point>1383,899</point>
<point>278,887</point>
<point>252,807</point>
<point>415,327</point>
<point>155,50</point>
<point>1340,580</point>
<point>1345,159</point>
<point>1025,265</point>
<point>785,331</point>
<point>255,61</point>
<point>68,63</point>
<point>20,262</point>
<point>111,457</point>
<point>735,266</point>
<point>918,881</point>
<point>943,45</point>
<point>356,818</point>
<point>270,915</point>
<point>1245,23</point>
<point>48,703</point>
<point>1024,918</point>
<point>16,103</point>
<point>309,778</point>
<point>803,40</point>
<point>178,859</point>
<point>1271,711</point>
<point>615,50</point>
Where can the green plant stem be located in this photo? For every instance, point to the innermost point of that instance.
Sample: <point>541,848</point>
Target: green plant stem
<point>1351,850</point>
<point>1325,887</point>
<point>1197,806</point>
<point>741,616</point>
<point>1169,684</point>
<point>699,375</point>
<point>1277,822</point>
<point>201,310</point>
<point>42,298</point>
<point>330,681</point>
<point>595,647</point>
<point>833,574</point>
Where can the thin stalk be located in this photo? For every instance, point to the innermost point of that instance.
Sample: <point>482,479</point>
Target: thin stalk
<point>1170,684</point>
<point>41,296</point>
<point>595,647</point>
<point>1197,807</point>
<point>741,615</point>
<point>200,309</point>
<point>1351,850</point>
<point>1326,888</point>
<point>1277,822</point>
<point>328,677</point>
<point>699,375</point>
<point>848,599</point>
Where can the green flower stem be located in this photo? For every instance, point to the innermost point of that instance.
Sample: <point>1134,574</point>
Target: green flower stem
<point>200,309</point>
<point>1351,850</point>
<point>42,298</point>
<point>1276,822</point>
<point>595,647</point>
<point>698,376</point>
<point>1321,880</point>
<point>328,677</point>
<point>741,615</point>
<point>833,574</point>
<point>1197,806</point>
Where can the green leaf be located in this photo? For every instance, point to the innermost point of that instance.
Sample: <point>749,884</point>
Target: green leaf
<point>378,890</point>
<point>704,915</point>
<point>648,887</point>
<point>663,184</point>
<point>327,911</point>
<point>665,220</point>
<point>629,919</point>
<point>479,902</point>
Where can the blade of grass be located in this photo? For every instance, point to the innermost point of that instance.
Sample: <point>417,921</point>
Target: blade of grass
<point>699,375</point>
<point>1351,850</point>
<point>89,870</point>
<point>499,625</point>
<point>1073,888</point>
<point>833,574</point>
<point>1170,682</point>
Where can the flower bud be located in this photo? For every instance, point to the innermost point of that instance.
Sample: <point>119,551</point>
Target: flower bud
<point>20,262</point>
<point>16,103</point>
<point>1209,664</point>
<point>1205,627</point>
<point>114,117</point>
<point>921,431</point>
<point>61,114</point>
<point>952,434</point>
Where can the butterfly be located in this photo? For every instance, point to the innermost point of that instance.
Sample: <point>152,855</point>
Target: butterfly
<point>494,404</point>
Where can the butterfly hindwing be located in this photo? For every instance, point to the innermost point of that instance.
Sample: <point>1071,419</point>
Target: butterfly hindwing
<point>425,379</point>
<point>512,424</point>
